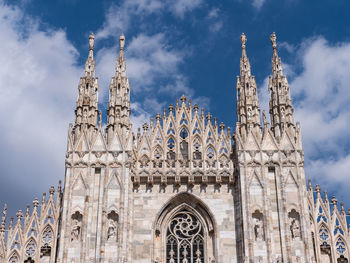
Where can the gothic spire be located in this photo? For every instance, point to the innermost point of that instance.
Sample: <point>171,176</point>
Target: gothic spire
<point>119,95</point>
<point>248,110</point>
<point>86,112</point>
<point>281,109</point>
<point>244,61</point>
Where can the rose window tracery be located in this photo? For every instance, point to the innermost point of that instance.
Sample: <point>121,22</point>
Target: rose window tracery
<point>185,239</point>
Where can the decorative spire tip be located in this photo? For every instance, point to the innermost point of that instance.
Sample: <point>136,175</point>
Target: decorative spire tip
<point>91,41</point>
<point>243,40</point>
<point>122,41</point>
<point>273,40</point>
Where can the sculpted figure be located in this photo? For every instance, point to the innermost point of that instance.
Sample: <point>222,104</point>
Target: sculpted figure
<point>295,228</point>
<point>250,112</point>
<point>258,230</point>
<point>75,230</point>
<point>112,230</point>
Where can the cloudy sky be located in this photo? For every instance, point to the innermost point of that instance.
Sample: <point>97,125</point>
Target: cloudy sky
<point>172,47</point>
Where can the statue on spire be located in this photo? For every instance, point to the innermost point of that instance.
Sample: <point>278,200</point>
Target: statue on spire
<point>273,40</point>
<point>91,41</point>
<point>121,41</point>
<point>243,40</point>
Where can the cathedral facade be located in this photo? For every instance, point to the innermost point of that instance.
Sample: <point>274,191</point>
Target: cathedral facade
<point>184,189</point>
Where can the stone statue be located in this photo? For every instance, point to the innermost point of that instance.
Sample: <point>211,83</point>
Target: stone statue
<point>282,113</point>
<point>295,228</point>
<point>112,232</point>
<point>250,112</point>
<point>258,230</point>
<point>75,234</point>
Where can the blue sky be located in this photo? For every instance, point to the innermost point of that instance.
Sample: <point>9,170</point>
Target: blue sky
<point>172,47</point>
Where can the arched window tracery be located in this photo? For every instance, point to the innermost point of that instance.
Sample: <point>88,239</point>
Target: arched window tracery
<point>14,258</point>
<point>185,239</point>
<point>340,246</point>
<point>47,235</point>
<point>30,248</point>
<point>323,233</point>
<point>197,149</point>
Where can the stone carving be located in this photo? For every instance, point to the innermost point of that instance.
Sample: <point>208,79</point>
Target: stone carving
<point>76,226</point>
<point>75,233</point>
<point>295,228</point>
<point>294,224</point>
<point>258,226</point>
<point>112,230</point>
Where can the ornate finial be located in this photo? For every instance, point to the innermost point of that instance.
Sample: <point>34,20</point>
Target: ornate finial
<point>183,98</point>
<point>91,41</point>
<point>145,127</point>
<point>342,207</point>
<point>273,40</point>
<point>334,201</point>
<point>195,108</point>
<point>19,214</point>
<point>171,108</point>
<point>209,116</point>
<point>122,41</point>
<point>317,188</point>
<point>51,191</point>
<point>222,126</point>
<point>243,40</point>
<point>35,202</point>
<point>158,117</point>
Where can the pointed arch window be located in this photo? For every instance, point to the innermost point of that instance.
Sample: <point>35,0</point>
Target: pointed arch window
<point>323,233</point>
<point>14,258</point>
<point>47,235</point>
<point>210,152</point>
<point>340,246</point>
<point>30,248</point>
<point>197,154</point>
<point>185,239</point>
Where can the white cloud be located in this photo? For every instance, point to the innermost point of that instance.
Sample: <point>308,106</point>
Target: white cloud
<point>180,7</point>
<point>258,3</point>
<point>119,17</point>
<point>36,102</point>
